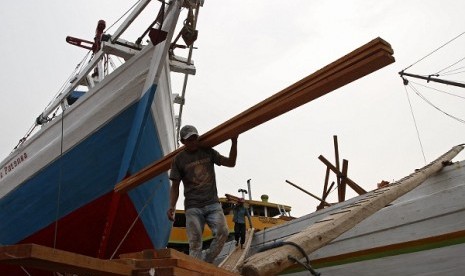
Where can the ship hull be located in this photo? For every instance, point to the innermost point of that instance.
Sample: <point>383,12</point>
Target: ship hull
<point>423,232</point>
<point>56,189</point>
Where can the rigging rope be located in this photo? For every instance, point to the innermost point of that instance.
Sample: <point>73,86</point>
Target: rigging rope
<point>60,178</point>
<point>434,51</point>
<point>441,91</point>
<point>135,220</point>
<point>454,72</point>
<point>437,108</point>
<point>124,14</point>
<point>77,69</point>
<point>455,63</point>
<point>415,122</point>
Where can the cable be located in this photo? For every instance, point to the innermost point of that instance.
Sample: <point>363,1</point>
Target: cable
<point>122,16</point>
<point>432,88</point>
<point>437,108</point>
<point>415,122</point>
<point>434,51</point>
<point>135,220</point>
<point>57,217</point>
<point>455,63</point>
<point>292,258</point>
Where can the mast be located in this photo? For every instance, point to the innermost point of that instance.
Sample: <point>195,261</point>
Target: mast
<point>429,78</point>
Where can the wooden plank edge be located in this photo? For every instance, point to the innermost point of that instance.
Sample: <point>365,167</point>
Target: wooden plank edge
<point>46,258</point>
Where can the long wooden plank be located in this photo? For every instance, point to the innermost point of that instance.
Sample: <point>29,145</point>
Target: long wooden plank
<point>176,271</point>
<point>167,258</point>
<point>360,62</point>
<point>343,175</point>
<point>193,266</point>
<point>156,254</point>
<point>324,231</point>
<point>45,258</point>
<point>236,258</point>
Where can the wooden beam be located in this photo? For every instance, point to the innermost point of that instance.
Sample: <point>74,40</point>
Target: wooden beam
<point>322,201</point>
<point>167,262</point>
<point>342,187</point>
<point>362,61</point>
<point>171,261</point>
<point>340,193</point>
<point>273,261</point>
<point>46,258</point>
<point>349,181</point>
<point>325,190</point>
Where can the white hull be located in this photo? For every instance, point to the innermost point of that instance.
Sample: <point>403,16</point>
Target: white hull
<point>116,93</point>
<point>71,165</point>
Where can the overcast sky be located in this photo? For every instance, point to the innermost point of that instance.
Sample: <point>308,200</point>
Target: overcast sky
<point>250,50</point>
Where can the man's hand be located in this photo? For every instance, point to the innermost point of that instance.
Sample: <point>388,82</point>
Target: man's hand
<point>170,214</point>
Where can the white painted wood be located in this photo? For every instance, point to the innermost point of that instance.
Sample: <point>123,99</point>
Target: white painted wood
<point>100,104</point>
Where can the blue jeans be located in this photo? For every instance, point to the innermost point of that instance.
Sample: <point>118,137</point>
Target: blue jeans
<point>196,218</point>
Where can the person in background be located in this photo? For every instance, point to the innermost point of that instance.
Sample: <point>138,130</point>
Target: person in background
<point>194,166</point>
<point>239,214</point>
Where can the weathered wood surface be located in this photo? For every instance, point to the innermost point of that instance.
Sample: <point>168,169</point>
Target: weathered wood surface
<point>170,262</point>
<point>166,262</point>
<point>362,61</point>
<point>327,229</point>
<point>235,260</point>
<point>46,258</point>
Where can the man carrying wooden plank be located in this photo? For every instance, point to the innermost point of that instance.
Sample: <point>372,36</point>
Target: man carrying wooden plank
<point>194,166</point>
<point>239,214</point>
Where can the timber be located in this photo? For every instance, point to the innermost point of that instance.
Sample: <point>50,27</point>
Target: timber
<point>343,175</point>
<point>234,261</point>
<point>166,262</point>
<point>322,201</point>
<point>319,234</point>
<point>50,259</point>
<point>366,59</point>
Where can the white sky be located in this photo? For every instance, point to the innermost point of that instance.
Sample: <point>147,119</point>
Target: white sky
<point>250,50</point>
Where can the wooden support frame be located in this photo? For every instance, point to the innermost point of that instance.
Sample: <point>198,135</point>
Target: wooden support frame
<point>50,259</point>
<point>166,262</point>
<point>340,186</point>
<point>326,189</point>
<point>344,178</point>
<point>322,201</point>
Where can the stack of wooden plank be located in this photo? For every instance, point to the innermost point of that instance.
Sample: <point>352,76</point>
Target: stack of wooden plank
<point>360,62</point>
<point>169,262</point>
<point>164,262</point>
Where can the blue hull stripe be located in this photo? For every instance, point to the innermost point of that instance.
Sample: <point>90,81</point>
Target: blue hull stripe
<point>87,172</point>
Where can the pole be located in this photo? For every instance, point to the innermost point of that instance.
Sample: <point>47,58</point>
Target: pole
<point>250,195</point>
<point>308,193</point>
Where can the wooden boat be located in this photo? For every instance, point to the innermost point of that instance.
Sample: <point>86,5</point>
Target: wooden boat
<point>264,215</point>
<point>422,231</point>
<point>108,122</point>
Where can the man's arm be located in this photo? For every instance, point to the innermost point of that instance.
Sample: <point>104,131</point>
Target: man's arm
<point>231,160</point>
<point>174,194</point>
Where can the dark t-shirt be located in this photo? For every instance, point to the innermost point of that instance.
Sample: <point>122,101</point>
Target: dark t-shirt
<point>196,171</point>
